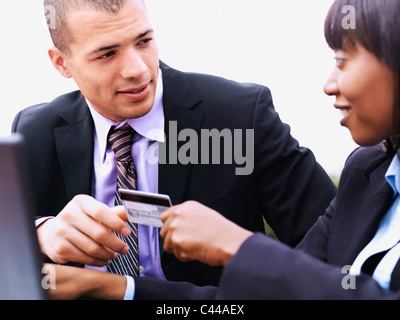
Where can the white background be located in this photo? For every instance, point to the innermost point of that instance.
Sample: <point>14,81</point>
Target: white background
<point>279,44</point>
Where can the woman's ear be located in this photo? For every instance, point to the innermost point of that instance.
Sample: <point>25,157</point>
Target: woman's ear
<point>58,59</point>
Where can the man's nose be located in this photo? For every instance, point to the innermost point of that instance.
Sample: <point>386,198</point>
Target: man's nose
<point>133,66</point>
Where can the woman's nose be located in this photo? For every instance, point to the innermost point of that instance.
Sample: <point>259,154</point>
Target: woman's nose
<point>331,86</point>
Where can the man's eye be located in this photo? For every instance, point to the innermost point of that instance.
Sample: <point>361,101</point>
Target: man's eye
<point>107,55</point>
<point>145,41</point>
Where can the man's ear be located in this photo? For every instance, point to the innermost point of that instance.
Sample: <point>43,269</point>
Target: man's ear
<point>58,59</point>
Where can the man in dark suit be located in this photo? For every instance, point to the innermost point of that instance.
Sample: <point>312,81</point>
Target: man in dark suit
<point>112,55</point>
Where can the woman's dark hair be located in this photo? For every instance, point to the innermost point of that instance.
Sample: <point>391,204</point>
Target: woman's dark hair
<point>377,29</point>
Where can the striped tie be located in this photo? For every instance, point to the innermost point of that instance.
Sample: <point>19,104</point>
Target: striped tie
<point>120,141</point>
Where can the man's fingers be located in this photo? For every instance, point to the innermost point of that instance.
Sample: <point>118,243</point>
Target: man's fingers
<point>65,251</point>
<point>120,212</point>
<point>92,233</point>
<point>83,232</point>
<point>102,213</point>
<point>90,247</point>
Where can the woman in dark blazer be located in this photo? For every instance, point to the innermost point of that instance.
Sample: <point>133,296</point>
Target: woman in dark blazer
<point>352,252</point>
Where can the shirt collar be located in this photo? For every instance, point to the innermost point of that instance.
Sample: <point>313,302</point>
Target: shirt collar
<point>150,126</point>
<point>393,174</point>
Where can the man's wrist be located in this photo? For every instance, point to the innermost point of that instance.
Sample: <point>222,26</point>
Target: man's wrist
<point>40,224</point>
<point>104,285</point>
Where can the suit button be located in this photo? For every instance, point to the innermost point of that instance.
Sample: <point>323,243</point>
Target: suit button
<point>141,269</point>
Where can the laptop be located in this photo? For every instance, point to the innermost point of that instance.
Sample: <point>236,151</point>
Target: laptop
<point>20,259</point>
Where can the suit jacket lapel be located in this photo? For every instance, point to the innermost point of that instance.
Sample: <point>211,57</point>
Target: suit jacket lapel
<point>179,100</point>
<point>74,143</point>
<point>381,199</point>
<point>376,208</point>
<point>74,139</point>
<point>364,206</point>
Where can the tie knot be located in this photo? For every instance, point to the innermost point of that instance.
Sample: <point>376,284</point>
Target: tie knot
<point>120,141</point>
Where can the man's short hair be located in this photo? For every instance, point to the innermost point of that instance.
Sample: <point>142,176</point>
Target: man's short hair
<point>59,31</point>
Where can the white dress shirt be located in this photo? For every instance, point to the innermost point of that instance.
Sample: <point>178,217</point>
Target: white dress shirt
<point>148,129</point>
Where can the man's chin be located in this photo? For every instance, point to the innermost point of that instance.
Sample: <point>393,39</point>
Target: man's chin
<point>133,111</point>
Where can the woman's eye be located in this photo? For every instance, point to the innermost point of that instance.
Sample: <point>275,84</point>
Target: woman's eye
<point>339,61</point>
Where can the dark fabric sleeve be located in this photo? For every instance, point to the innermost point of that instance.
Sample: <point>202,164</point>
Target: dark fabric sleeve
<point>293,188</point>
<point>267,269</point>
<point>157,289</point>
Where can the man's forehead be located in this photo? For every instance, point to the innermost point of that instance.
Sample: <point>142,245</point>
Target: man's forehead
<point>90,24</point>
<point>89,13</point>
<point>105,6</point>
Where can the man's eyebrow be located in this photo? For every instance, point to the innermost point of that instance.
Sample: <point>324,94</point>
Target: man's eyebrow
<point>144,34</point>
<point>106,48</point>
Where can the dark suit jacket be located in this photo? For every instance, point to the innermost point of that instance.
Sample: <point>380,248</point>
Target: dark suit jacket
<point>287,186</point>
<point>266,269</point>
<point>314,270</point>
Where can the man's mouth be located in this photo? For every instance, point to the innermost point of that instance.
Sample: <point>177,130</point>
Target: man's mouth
<point>135,94</point>
<point>133,90</point>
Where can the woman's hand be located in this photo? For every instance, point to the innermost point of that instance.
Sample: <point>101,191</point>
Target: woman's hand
<point>193,231</point>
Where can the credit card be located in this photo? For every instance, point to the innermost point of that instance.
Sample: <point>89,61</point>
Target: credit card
<point>145,207</point>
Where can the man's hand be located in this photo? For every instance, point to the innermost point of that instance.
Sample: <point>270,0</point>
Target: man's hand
<point>192,231</point>
<point>75,283</point>
<point>82,232</point>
